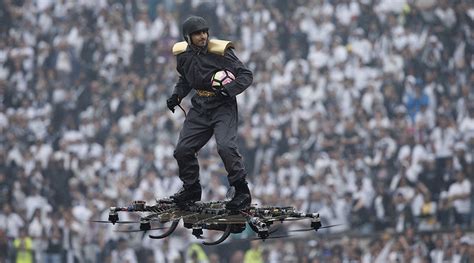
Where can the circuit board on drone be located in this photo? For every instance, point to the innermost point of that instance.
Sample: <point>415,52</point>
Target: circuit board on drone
<point>212,215</point>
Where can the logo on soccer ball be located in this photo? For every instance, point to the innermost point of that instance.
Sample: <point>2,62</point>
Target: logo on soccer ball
<point>221,77</point>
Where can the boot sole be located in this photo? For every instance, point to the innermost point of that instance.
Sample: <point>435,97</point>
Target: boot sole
<point>238,207</point>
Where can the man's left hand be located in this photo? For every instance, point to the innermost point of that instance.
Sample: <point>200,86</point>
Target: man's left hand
<point>172,102</point>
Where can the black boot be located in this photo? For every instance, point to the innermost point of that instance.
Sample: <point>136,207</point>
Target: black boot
<point>242,197</point>
<point>188,194</point>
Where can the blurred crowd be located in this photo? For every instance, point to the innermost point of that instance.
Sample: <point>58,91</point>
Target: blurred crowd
<point>361,110</point>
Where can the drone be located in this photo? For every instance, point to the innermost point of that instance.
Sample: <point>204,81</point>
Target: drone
<point>212,215</point>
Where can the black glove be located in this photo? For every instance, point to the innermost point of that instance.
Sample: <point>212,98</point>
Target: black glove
<point>172,102</point>
<point>220,91</point>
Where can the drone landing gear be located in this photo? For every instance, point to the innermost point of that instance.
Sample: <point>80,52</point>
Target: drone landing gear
<point>224,236</point>
<point>168,232</point>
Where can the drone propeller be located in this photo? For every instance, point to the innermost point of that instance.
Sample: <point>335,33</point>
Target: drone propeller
<point>138,230</point>
<point>264,238</point>
<point>273,229</point>
<point>285,219</point>
<point>312,229</point>
<point>270,237</point>
<point>223,221</point>
<point>118,222</point>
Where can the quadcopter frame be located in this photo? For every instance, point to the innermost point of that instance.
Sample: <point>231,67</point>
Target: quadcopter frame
<point>212,215</point>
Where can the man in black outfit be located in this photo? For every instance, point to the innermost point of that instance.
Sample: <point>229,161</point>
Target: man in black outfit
<point>214,110</point>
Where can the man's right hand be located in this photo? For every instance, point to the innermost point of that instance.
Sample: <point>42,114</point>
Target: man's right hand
<point>172,102</point>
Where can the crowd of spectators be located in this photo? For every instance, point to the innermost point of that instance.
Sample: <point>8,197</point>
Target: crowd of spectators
<point>362,110</point>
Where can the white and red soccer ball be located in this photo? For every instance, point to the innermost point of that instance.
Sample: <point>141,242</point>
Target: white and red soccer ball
<point>222,77</point>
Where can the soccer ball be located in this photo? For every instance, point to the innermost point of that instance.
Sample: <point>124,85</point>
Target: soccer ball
<point>221,77</point>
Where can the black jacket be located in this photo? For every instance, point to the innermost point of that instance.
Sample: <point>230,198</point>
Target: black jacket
<point>196,67</point>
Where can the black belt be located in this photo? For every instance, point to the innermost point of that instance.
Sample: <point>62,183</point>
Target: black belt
<point>205,93</point>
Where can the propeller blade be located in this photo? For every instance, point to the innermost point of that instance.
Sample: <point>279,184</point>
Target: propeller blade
<point>270,237</point>
<point>138,230</point>
<point>286,219</point>
<point>118,222</point>
<point>312,229</point>
<point>227,223</point>
<point>329,226</point>
<point>302,230</point>
<point>273,229</point>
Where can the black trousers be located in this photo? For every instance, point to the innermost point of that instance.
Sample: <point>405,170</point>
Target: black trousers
<point>198,128</point>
